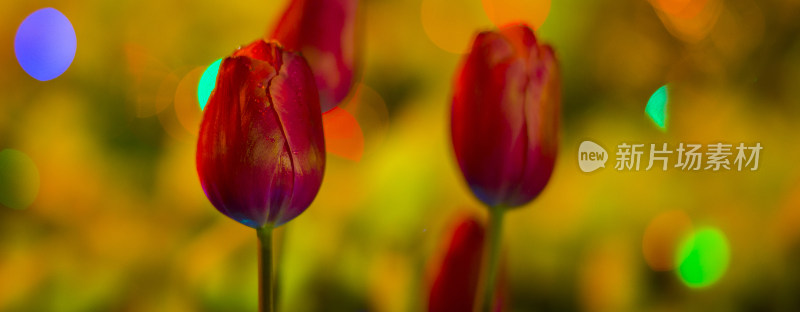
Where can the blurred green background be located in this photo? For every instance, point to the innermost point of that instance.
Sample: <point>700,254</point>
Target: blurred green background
<point>102,209</point>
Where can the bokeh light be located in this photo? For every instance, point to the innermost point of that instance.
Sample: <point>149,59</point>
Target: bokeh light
<point>672,6</point>
<point>688,20</point>
<point>146,73</point>
<point>19,179</point>
<point>343,135</point>
<point>189,114</point>
<point>661,239</point>
<point>606,281</point>
<point>207,83</point>
<point>531,12</point>
<point>165,96</point>
<point>703,257</point>
<point>452,26</point>
<point>657,106</point>
<point>358,125</point>
<point>368,107</point>
<point>45,44</point>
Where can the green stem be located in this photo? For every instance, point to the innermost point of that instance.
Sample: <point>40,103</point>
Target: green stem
<point>492,254</point>
<point>265,302</point>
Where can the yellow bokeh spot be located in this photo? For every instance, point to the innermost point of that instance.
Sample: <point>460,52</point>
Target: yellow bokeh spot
<point>661,239</point>
<point>672,6</point>
<point>690,21</point>
<point>186,109</point>
<point>453,25</point>
<point>503,12</point>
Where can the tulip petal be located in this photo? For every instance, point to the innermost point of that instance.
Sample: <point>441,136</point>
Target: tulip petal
<point>300,114</point>
<point>542,112</point>
<point>325,32</point>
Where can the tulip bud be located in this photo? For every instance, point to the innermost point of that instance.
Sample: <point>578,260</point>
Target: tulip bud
<point>261,151</point>
<point>505,116</point>
<point>325,32</point>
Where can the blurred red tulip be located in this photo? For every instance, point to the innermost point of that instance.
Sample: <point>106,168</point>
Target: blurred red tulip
<point>261,151</point>
<point>505,116</point>
<point>455,284</point>
<point>325,31</point>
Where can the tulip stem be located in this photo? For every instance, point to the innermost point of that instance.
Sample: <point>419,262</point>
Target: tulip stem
<point>265,282</point>
<point>492,254</point>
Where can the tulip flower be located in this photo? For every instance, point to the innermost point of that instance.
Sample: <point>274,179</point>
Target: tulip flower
<point>261,151</point>
<point>505,116</point>
<point>325,31</point>
<point>457,276</point>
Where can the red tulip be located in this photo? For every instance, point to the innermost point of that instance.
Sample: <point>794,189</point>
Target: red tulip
<point>261,151</point>
<point>456,282</point>
<point>505,116</point>
<point>457,276</point>
<point>325,32</point>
